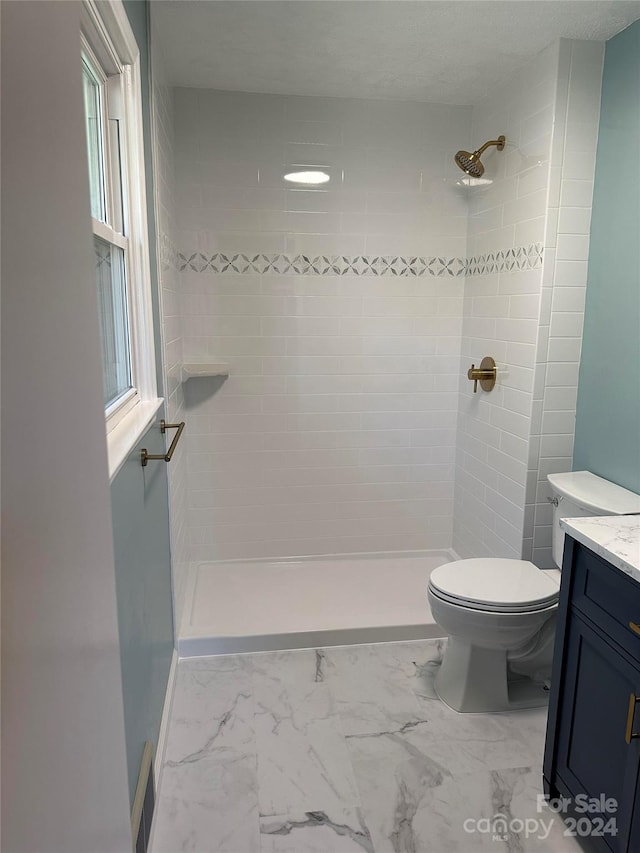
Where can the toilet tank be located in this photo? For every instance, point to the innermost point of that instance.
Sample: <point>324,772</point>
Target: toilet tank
<point>577,494</point>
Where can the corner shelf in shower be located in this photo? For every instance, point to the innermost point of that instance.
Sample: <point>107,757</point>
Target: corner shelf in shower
<point>204,370</point>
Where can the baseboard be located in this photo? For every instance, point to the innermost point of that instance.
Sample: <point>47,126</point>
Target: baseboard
<point>162,736</point>
<point>143,803</point>
<point>166,714</point>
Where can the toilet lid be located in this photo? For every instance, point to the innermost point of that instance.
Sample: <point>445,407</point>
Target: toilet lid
<point>495,584</point>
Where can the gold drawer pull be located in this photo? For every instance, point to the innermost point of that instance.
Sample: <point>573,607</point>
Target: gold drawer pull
<point>165,457</point>
<point>635,628</point>
<point>629,734</point>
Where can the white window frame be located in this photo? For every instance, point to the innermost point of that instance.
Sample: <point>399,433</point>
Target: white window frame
<point>110,45</point>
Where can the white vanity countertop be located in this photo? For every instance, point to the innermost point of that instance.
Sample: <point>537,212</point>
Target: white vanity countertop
<point>616,538</point>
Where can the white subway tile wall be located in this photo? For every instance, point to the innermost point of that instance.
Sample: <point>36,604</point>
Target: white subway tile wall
<point>564,280</point>
<point>553,112</point>
<point>348,322</point>
<point>392,189</point>
<point>335,431</point>
<point>171,325</point>
<point>501,314</point>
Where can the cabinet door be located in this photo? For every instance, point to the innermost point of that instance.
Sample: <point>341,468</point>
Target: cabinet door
<point>594,757</point>
<point>634,836</point>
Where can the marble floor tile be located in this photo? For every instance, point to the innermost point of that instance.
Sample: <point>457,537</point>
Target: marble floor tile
<point>209,805</point>
<point>302,666</point>
<point>474,743</point>
<point>208,793</point>
<point>368,705</point>
<point>345,749</point>
<point>374,685</point>
<point>426,664</point>
<point>315,832</point>
<point>386,660</point>
<point>418,805</point>
<point>211,711</point>
<point>394,798</point>
<point>469,742</point>
<point>217,663</point>
<point>303,760</point>
<point>515,794</point>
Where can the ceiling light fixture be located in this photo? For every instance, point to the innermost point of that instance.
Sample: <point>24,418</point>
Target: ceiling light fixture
<point>313,177</point>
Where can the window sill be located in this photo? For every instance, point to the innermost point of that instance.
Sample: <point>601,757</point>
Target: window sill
<point>124,437</point>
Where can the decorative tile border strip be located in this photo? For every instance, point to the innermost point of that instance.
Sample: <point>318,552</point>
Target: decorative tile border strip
<point>321,264</point>
<point>506,260</point>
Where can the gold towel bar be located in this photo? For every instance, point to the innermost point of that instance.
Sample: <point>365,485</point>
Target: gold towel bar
<point>166,457</point>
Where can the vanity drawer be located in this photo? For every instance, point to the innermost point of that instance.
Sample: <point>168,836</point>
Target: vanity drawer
<point>609,598</point>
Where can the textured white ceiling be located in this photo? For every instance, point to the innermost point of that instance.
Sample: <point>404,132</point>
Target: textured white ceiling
<point>450,52</point>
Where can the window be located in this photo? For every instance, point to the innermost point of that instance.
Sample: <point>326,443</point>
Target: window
<point>113,125</point>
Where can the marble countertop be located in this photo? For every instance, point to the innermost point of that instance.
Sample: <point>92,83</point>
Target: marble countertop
<point>616,538</point>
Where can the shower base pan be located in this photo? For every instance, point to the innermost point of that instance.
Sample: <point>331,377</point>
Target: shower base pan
<point>296,603</point>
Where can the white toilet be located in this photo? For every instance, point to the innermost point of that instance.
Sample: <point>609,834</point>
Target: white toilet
<point>500,614</point>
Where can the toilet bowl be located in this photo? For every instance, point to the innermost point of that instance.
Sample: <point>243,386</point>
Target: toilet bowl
<point>500,618</point>
<point>500,614</point>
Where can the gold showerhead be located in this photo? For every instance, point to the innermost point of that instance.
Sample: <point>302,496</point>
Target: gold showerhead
<point>471,163</point>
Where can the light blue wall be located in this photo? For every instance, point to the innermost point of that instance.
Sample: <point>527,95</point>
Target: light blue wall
<point>139,501</point>
<point>143,590</point>
<point>608,412</point>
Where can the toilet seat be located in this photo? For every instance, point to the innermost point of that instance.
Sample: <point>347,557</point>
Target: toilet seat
<point>495,585</point>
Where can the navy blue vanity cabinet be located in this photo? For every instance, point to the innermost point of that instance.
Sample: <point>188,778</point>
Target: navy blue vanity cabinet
<point>634,837</point>
<point>592,752</point>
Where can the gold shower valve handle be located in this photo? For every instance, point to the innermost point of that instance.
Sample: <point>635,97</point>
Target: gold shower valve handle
<point>485,374</point>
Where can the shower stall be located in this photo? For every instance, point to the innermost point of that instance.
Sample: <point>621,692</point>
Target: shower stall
<point>335,450</point>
